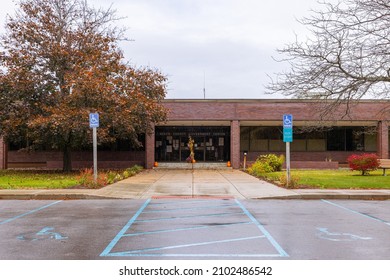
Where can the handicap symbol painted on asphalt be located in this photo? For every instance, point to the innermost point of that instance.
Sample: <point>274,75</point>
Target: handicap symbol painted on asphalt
<point>45,233</point>
<point>324,233</point>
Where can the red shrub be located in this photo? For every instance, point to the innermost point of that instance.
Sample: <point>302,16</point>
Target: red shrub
<point>86,179</point>
<point>363,163</point>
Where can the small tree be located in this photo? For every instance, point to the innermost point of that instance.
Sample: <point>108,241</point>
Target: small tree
<point>363,163</point>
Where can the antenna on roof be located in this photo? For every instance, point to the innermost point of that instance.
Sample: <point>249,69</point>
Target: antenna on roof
<point>204,85</point>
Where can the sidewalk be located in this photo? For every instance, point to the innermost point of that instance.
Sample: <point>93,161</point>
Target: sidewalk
<point>197,183</point>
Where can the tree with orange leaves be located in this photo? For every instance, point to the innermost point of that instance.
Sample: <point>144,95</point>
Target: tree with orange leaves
<point>60,61</point>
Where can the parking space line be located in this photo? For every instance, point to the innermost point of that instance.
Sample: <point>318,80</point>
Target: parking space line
<point>144,252</point>
<point>191,245</point>
<point>124,229</point>
<point>177,201</point>
<point>29,212</point>
<point>190,216</point>
<point>356,212</point>
<point>263,230</point>
<point>120,254</point>
<point>191,208</point>
<point>187,228</point>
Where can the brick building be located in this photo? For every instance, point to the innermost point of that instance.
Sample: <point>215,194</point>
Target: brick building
<point>224,129</point>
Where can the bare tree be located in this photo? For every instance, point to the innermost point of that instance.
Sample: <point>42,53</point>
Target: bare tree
<point>345,58</point>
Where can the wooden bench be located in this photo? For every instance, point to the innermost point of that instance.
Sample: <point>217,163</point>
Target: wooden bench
<point>384,164</point>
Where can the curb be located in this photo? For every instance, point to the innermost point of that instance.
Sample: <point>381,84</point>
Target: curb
<point>48,196</point>
<point>330,196</point>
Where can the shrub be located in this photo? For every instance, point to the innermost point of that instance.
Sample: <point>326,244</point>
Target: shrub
<point>363,163</point>
<point>259,168</point>
<point>111,177</point>
<point>265,164</point>
<point>135,169</point>
<point>115,176</point>
<point>86,179</point>
<point>294,181</point>
<point>274,161</point>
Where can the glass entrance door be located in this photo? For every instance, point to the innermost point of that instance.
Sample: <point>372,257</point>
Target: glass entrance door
<point>211,144</point>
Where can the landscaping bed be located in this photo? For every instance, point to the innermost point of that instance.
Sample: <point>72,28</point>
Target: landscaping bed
<point>43,179</point>
<point>330,179</point>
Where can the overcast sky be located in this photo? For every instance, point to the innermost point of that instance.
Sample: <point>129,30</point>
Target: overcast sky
<point>226,45</point>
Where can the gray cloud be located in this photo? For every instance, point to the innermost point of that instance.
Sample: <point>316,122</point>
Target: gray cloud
<point>231,42</point>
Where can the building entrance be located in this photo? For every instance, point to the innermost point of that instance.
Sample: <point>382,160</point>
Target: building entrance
<point>211,144</point>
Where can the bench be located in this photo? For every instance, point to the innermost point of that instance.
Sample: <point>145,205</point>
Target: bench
<point>384,164</point>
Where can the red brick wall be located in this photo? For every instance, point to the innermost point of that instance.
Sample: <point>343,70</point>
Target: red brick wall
<point>149,150</point>
<point>235,144</point>
<point>383,139</point>
<point>272,110</point>
<point>268,110</point>
<point>53,159</point>
<point>224,110</point>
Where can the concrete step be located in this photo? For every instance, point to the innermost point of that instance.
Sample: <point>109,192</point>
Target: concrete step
<point>197,165</point>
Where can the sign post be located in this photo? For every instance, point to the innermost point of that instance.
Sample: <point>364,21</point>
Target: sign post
<point>288,138</point>
<point>94,124</point>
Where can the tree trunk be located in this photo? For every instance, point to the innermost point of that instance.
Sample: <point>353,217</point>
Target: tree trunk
<point>67,160</point>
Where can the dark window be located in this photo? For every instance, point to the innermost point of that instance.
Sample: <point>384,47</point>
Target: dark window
<point>345,139</point>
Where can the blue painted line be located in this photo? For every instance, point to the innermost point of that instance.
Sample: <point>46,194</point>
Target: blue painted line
<point>184,229</point>
<point>191,208</point>
<point>188,245</point>
<point>184,201</point>
<point>29,212</point>
<point>197,255</point>
<point>356,212</point>
<point>145,252</point>
<point>124,229</point>
<point>263,230</point>
<point>187,217</point>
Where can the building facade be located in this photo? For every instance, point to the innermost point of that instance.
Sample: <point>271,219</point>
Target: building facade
<point>223,130</point>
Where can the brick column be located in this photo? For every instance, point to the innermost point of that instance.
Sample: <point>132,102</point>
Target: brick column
<point>383,139</point>
<point>235,144</point>
<point>3,154</point>
<point>149,149</point>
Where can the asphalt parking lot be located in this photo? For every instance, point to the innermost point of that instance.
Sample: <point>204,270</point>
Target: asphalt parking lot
<point>195,229</point>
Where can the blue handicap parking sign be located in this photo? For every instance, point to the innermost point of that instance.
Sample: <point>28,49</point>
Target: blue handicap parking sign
<point>287,128</point>
<point>93,120</point>
<point>287,121</point>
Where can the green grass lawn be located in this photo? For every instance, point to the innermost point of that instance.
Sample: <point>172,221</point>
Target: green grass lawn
<point>12,179</point>
<point>335,179</point>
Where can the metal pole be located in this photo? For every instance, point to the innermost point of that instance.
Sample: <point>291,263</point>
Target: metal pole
<point>94,153</point>
<point>288,163</point>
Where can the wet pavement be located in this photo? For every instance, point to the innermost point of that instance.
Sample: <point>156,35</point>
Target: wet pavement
<point>194,228</point>
<point>195,183</point>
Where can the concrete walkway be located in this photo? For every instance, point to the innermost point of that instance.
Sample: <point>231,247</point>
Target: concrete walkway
<point>197,183</point>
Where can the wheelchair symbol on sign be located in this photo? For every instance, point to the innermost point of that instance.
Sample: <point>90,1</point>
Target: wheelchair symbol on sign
<point>287,120</point>
<point>93,120</point>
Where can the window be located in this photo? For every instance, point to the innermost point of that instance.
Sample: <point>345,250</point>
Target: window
<point>269,139</point>
<point>345,139</point>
